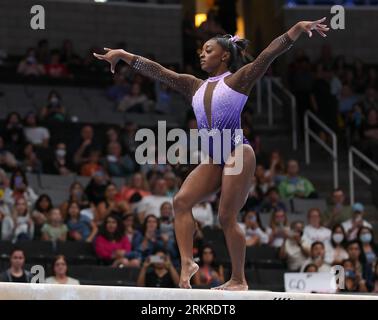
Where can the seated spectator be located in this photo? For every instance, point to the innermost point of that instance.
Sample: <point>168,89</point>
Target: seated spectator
<point>116,164</point>
<point>263,179</point>
<point>353,281</point>
<point>166,220</point>
<point>253,229</point>
<point>16,271</point>
<point>42,207</point>
<point>347,99</point>
<point>151,204</point>
<point>335,247</point>
<point>370,135</point>
<point>151,236</point>
<point>82,148</point>
<point>108,205</point>
<point>163,95</point>
<point>135,236</point>
<point>13,134</point>
<point>311,267</point>
<point>276,170</point>
<point>138,185</point>
<point>295,249</point>
<point>172,182</point>
<point>119,89</point>
<point>54,110</point>
<point>93,164</point>
<point>362,269</point>
<point>80,227</point>
<point>76,194</point>
<point>351,226</point>
<point>29,65</point>
<point>338,211</point>
<point>7,159</point>
<point>135,101</point>
<point>4,181</point>
<point>56,69</point>
<point>369,247</point>
<point>54,229</point>
<point>19,225</point>
<point>317,257</point>
<point>60,164</point>
<point>95,190</point>
<point>69,57</point>
<point>163,273</point>
<point>203,214</point>
<point>31,163</point>
<point>4,208</point>
<point>294,185</point>
<point>111,244</point>
<point>37,135</point>
<point>278,229</point>
<point>59,274</point>
<point>314,230</point>
<point>19,188</point>
<point>210,272</point>
<point>272,202</point>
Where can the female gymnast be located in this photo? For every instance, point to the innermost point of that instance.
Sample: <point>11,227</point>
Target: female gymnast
<point>217,104</point>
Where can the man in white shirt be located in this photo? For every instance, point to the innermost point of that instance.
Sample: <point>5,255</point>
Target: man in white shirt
<point>151,204</point>
<point>317,258</point>
<point>351,226</point>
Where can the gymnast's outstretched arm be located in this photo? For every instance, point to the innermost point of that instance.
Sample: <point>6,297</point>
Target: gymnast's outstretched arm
<point>244,79</point>
<point>184,83</point>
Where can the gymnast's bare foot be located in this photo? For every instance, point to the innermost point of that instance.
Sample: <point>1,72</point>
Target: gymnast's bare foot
<point>233,285</point>
<point>187,271</point>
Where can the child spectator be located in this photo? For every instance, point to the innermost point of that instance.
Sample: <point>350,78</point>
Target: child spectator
<point>80,227</point>
<point>54,229</point>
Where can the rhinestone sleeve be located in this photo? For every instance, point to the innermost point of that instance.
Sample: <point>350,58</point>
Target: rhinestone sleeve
<point>244,79</point>
<point>184,83</point>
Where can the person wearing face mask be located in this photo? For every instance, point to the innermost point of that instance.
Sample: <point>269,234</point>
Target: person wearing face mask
<point>61,164</point>
<point>54,110</point>
<point>295,249</point>
<point>335,247</point>
<point>369,247</point>
<point>352,225</point>
<point>253,230</point>
<point>29,65</point>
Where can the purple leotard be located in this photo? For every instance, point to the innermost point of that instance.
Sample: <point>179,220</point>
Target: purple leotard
<point>226,96</point>
<point>226,107</point>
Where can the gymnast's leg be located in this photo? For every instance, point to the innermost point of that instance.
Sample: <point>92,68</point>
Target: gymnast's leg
<point>200,183</point>
<point>233,196</point>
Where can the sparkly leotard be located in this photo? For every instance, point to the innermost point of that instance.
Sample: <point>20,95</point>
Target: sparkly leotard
<point>218,101</point>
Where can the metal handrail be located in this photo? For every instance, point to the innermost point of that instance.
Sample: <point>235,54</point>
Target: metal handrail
<point>332,150</point>
<point>353,170</point>
<point>293,106</point>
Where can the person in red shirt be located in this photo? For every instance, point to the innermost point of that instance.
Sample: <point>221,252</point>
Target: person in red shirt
<point>56,69</point>
<point>112,245</point>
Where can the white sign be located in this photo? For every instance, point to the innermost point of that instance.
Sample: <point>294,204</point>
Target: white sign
<point>320,282</point>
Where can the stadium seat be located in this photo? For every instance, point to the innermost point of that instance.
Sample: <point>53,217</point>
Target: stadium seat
<point>301,206</point>
<point>271,279</point>
<point>263,256</point>
<point>77,252</point>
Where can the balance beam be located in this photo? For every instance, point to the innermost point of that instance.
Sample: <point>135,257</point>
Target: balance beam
<point>37,291</point>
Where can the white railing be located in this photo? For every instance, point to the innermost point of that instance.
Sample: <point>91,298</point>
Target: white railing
<point>331,150</point>
<point>272,97</point>
<point>353,170</point>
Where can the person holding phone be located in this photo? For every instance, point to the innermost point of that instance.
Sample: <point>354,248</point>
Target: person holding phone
<point>163,274</point>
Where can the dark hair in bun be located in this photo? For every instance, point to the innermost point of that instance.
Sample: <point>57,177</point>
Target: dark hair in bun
<point>236,48</point>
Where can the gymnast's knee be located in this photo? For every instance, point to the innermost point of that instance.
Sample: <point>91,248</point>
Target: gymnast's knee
<point>181,204</point>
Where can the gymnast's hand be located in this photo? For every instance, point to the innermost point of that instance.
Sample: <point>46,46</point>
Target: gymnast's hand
<point>318,26</point>
<point>111,56</point>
